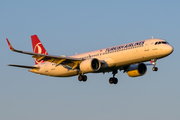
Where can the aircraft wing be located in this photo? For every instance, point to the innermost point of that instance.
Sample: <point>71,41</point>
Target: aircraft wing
<point>71,61</point>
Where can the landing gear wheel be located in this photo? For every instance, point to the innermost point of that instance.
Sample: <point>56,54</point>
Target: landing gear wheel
<point>113,80</point>
<point>155,69</point>
<point>82,78</point>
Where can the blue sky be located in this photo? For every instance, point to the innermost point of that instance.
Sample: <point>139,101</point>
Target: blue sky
<point>66,27</point>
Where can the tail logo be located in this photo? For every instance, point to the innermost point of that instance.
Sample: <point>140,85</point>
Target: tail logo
<point>38,49</point>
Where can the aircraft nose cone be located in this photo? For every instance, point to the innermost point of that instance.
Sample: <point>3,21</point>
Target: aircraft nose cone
<point>169,49</point>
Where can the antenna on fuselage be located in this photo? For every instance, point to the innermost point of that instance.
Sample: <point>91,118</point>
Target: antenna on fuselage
<point>152,37</point>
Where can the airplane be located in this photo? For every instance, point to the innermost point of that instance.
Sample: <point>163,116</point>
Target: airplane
<point>127,57</point>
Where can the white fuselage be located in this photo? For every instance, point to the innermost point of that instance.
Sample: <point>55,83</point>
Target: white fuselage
<point>115,57</point>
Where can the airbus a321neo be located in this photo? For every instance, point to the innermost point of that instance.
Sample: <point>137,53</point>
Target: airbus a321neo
<point>128,57</point>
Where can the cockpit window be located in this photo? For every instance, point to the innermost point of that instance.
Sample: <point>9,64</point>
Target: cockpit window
<point>164,42</point>
<point>161,42</point>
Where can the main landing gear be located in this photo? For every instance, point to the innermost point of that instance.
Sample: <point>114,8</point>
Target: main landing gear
<point>82,78</point>
<point>153,61</point>
<point>113,80</point>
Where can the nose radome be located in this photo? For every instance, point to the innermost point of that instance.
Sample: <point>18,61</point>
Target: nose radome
<point>169,49</point>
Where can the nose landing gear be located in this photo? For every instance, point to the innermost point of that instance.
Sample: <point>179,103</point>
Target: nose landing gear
<point>155,68</point>
<point>153,61</point>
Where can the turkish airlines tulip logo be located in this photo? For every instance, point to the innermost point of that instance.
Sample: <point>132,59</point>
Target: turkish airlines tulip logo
<point>39,49</point>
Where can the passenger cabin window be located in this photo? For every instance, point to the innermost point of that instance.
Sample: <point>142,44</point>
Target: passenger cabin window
<point>161,42</point>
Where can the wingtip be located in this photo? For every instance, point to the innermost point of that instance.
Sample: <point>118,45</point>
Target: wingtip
<point>9,44</point>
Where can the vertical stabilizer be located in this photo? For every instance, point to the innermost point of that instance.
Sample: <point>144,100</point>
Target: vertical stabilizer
<point>38,47</point>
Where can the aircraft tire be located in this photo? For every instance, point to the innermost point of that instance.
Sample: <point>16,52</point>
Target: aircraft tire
<point>80,77</point>
<point>155,69</point>
<point>111,80</point>
<point>115,81</point>
<point>84,78</point>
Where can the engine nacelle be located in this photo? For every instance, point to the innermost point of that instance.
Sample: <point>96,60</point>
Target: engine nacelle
<point>136,70</point>
<point>90,65</point>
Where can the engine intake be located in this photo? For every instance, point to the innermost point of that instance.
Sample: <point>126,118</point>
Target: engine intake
<point>137,70</point>
<point>90,65</point>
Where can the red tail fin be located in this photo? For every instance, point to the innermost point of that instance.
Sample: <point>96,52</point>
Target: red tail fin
<point>38,47</point>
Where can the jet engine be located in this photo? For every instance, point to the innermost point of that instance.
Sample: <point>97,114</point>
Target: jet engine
<point>90,65</point>
<point>136,70</point>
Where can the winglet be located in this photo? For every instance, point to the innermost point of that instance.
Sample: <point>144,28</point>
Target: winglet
<point>10,46</point>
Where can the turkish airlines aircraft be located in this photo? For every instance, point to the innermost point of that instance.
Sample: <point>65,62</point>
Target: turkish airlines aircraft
<point>128,57</point>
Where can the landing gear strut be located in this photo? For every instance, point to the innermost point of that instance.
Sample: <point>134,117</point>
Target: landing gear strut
<point>113,80</point>
<point>153,61</point>
<point>82,78</point>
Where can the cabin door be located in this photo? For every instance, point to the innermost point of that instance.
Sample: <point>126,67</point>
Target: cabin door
<point>146,45</point>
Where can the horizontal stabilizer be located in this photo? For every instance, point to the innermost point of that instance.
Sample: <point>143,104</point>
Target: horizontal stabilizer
<point>22,66</point>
